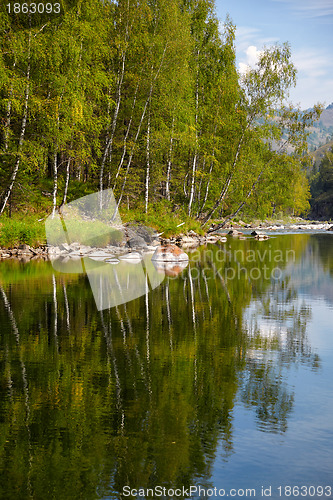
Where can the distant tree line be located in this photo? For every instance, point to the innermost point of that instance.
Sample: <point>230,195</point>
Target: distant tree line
<point>322,188</point>
<point>144,96</point>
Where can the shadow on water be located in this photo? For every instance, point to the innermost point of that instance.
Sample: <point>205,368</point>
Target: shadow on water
<point>144,393</point>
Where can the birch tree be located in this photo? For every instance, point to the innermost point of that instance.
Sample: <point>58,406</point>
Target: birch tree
<point>27,89</point>
<point>264,88</point>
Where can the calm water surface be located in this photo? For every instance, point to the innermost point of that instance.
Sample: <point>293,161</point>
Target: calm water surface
<point>219,378</point>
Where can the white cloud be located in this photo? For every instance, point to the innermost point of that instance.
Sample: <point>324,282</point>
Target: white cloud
<point>247,41</point>
<point>311,52</point>
<point>314,78</point>
<point>252,57</point>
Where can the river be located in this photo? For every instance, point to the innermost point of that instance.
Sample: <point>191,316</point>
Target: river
<point>217,382</point>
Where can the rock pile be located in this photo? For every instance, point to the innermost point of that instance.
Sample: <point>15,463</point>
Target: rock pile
<point>140,240</point>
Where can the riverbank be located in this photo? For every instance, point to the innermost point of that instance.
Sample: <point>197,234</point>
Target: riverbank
<point>29,228</point>
<point>140,239</point>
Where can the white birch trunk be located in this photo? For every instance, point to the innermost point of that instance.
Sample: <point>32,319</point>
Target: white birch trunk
<point>209,177</point>
<point>200,184</point>
<point>168,176</point>
<point>148,165</point>
<point>7,123</point>
<point>233,215</point>
<point>8,192</point>
<point>131,156</point>
<point>194,164</point>
<point>55,183</point>
<point>109,144</point>
<point>67,181</point>
<point>8,116</point>
<point>125,139</point>
<point>228,181</point>
<point>138,132</point>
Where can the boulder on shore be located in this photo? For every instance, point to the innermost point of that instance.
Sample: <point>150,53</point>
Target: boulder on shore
<point>169,253</point>
<point>136,242</point>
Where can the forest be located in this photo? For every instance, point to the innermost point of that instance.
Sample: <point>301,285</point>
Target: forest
<point>144,97</point>
<point>321,183</point>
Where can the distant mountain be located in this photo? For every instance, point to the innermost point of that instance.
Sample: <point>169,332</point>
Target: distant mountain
<point>320,134</point>
<point>319,153</point>
<point>322,130</point>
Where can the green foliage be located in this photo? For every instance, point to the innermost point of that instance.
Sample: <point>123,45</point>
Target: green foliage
<point>104,235</point>
<point>28,230</point>
<point>322,188</point>
<point>165,218</point>
<point>144,97</point>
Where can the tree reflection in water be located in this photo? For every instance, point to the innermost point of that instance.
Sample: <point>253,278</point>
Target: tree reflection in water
<point>144,393</point>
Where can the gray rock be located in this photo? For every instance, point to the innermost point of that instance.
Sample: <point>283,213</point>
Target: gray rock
<point>64,246</point>
<point>234,232</point>
<point>24,248</point>
<point>257,233</point>
<point>74,246</point>
<point>24,252</point>
<point>137,242</point>
<point>137,230</point>
<point>54,250</point>
<point>85,249</point>
<point>145,233</point>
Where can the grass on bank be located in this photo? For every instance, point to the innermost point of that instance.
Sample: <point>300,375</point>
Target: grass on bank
<point>18,230</point>
<point>29,229</point>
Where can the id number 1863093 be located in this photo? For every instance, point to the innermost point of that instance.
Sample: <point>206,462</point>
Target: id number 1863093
<point>304,491</point>
<point>34,8</point>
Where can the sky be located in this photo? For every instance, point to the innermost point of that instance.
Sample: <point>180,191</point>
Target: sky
<point>308,27</point>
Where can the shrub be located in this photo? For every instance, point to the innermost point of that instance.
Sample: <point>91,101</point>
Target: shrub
<point>14,232</point>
